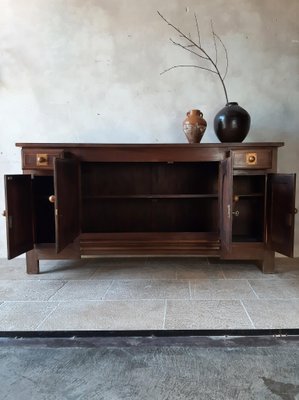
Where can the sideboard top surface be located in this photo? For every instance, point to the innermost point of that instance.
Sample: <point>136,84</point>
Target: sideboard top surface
<point>152,145</point>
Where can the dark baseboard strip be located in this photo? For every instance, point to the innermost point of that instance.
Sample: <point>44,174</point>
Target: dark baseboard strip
<point>150,333</point>
<point>141,339</point>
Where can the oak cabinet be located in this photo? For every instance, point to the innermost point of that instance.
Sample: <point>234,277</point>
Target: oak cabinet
<point>215,200</point>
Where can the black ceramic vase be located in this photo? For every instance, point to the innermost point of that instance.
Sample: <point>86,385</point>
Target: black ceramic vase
<point>232,123</point>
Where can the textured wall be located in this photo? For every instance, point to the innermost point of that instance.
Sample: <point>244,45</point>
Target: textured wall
<point>89,71</point>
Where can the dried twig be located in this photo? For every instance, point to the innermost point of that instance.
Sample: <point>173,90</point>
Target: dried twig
<point>187,48</point>
<point>197,28</point>
<point>215,44</point>
<point>187,65</point>
<point>203,54</point>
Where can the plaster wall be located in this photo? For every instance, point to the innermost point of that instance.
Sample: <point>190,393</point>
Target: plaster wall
<point>89,71</point>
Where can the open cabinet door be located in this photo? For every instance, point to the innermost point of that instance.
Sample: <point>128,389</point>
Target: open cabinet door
<point>226,196</point>
<point>67,201</point>
<point>281,211</point>
<point>19,214</point>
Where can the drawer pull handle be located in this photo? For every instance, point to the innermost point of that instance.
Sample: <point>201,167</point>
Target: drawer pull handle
<point>251,158</point>
<point>52,199</point>
<point>41,159</point>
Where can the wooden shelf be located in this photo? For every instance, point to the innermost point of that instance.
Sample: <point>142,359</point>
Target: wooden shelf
<point>151,196</point>
<point>163,243</point>
<point>249,195</point>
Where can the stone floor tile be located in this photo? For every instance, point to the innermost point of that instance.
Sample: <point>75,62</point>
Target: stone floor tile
<point>101,262</point>
<point>82,290</point>
<point>106,315</point>
<point>177,261</point>
<point>273,314</point>
<point>49,269</point>
<point>16,262</point>
<point>244,271</point>
<point>275,288</point>
<point>28,290</point>
<point>23,316</point>
<point>148,289</point>
<point>221,289</point>
<point>206,314</point>
<point>200,271</point>
<point>66,269</point>
<point>135,271</point>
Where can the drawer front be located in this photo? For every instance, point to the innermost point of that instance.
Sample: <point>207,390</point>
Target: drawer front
<point>41,159</point>
<point>252,159</point>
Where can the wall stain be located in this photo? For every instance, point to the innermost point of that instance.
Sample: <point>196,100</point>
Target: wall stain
<point>286,391</point>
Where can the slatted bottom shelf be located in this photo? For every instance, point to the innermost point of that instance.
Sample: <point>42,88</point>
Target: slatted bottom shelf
<point>144,243</point>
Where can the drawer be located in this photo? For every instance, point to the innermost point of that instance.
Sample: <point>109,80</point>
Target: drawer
<point>252,159</point>
<point>41,159</point>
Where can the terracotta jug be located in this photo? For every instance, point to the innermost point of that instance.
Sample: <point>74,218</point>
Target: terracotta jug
<point>194,126</point>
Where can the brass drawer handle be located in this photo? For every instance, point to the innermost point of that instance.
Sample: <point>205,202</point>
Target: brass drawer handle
<point>52,199</point>
<point>251,158</point>
<point>41,159</point>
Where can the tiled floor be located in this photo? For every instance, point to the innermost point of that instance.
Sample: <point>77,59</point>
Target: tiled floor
<point>148,293</point>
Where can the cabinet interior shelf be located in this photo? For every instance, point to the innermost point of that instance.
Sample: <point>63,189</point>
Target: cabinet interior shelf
<point>249,195</point>
<point>151,196</point>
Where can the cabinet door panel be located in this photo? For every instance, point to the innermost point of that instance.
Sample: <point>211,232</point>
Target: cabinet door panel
<point>67,208</point>
<point>19,215</point>
<point>225,190</point>
<point>281,211</point>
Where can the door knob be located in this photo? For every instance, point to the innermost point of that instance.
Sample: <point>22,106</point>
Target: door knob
<point>52,199</point>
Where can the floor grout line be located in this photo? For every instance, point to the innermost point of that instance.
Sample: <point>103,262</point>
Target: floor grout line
<point>253,290</point>
<point>108,288</point>
<point>164,318</point>
<point>63,284</point>
<point>2,303</point>
<point>247,314</point>
<point>46,317</point>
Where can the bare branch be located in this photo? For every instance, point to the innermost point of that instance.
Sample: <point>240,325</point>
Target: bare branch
<point>215,44</point>
<point>197,28</point>
<point>199,47</point>
<point>226,55</point>
<point>188,49</point>
<point>187,66</point>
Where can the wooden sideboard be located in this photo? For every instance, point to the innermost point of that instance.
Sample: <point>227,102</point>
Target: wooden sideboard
<point>221,200</point>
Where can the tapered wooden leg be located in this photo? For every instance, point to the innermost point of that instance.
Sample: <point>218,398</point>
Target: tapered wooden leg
<point>32,262</point>
<point>267,265</point>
